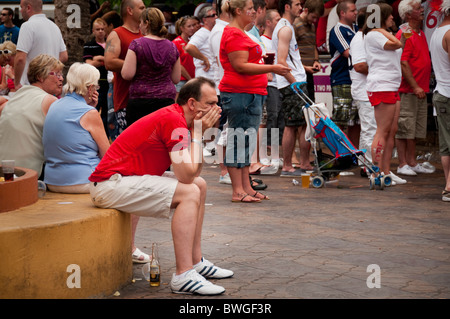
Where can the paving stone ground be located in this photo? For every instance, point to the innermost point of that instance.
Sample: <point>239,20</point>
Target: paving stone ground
<point>317,243</point>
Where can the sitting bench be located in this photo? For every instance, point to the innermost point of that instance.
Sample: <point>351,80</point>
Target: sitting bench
<point>63,247</point>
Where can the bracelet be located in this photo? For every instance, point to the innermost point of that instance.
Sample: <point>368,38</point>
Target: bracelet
<point>199,143</point>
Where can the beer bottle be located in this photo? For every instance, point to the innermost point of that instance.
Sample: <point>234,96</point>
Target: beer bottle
<point>155,270</point>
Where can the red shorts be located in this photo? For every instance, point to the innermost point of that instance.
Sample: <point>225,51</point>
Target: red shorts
<point>376,98</point>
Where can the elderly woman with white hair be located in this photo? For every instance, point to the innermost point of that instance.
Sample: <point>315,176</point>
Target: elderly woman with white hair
<point>74,138</point>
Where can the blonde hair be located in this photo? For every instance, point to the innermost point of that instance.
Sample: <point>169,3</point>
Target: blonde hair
<point>8,45</point>
<point>181,22</point>
<point>155,22</point>
<point>80,77</point>
<point>41,66</point>
<point>230,6</point>
<point>99,21</point>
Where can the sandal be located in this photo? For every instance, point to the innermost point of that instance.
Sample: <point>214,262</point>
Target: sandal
<point>246,201</point>
<point>262,198</point>
<point>139,257</point>
<point>259,186</point>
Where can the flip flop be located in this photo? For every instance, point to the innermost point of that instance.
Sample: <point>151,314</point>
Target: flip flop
<point>264,198</point>
<point>242,200</point>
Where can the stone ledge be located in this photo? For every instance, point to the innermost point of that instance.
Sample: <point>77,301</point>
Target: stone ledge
<point>39,242</point>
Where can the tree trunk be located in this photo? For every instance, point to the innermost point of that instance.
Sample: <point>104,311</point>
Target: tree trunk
<point>73,18</point>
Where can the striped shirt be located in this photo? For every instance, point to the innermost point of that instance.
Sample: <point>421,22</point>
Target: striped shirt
<point>340,37</point>
<point>305,35</point>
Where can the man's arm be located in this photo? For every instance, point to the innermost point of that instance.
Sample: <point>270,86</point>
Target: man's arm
<point>112,52</point>
<point>186,164</point>
<point>195,52</point>
<point>19,66</point>
<point>362,68</point>
<point>408,76</point>
<point>284,37</point>
<point>63,56</point>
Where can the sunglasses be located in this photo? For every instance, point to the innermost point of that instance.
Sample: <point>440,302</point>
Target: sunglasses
<point>211,15</point>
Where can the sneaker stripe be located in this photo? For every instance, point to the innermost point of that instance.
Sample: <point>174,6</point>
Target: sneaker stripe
<point>182,288</point>
<point>192,288</point>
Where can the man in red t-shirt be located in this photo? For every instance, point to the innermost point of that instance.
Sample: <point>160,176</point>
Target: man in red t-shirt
<point>416,71</point>
<point>116,49</point>
<point>132,178</point>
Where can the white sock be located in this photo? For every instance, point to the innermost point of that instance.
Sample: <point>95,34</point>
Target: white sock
<point>182,275</point>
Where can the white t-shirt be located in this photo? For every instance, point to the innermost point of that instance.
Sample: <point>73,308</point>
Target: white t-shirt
<point>37,36</point>
<point>332,20</point>
<point>359,80</point>
<point>201,40</point>
<point>293,59</point>
<point>214,44</point>
<point>385,73</point>
<point>441,64</point>
<point>269,47</point>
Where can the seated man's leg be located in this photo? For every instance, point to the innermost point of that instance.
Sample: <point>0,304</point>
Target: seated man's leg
<point>185,225</point>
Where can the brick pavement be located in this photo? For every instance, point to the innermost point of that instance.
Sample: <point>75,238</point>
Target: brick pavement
<point>317,243</point>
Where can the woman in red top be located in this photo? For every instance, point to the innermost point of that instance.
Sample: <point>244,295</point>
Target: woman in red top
<point>242,92</point>
<point>185,27</point>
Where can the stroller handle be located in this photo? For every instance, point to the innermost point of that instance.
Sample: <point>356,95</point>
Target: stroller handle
<point>297,90</point>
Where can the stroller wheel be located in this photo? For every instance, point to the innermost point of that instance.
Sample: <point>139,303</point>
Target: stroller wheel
<point>371,183</point>
<point>387,180</point>
<point>317,182</point>
<point>382,184</point>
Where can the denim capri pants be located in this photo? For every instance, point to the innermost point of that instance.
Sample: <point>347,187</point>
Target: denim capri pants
<point>244,112</point>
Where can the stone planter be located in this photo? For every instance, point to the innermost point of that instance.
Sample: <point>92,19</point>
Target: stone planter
<point>20,192</point>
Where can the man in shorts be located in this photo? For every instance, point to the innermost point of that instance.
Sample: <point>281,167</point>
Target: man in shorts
<point>132,177</point>
<point>288,54</point>
<point>345,113</point>
<point>439,45</point>
<point>416,71</point>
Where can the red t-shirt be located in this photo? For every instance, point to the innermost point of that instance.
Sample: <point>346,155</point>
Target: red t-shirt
<point>416,53</point>
<point>234,39</point>
<point>186,59</point>
<point>144,147</point>
<point>120,92</point>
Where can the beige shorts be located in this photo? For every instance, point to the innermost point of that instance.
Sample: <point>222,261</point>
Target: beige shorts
<point>412,121</point>
<point>146,195</point>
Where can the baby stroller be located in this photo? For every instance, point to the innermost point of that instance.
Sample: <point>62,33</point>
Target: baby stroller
<point>346,156</point>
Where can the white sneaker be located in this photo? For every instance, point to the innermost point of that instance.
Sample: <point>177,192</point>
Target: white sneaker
<point>406,170</point>
<point>225,179</point>
<point>429,166</point>
<point>419,168</point>
<point>396,179</point>
<point>269,170</point>
<point>206,153</point>
<point>194,283</point>
<point>277,161</point>
<point>265,161</point>
<point>208,270</point>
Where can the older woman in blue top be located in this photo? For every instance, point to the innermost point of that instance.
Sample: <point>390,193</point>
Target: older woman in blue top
<point>74,138</point>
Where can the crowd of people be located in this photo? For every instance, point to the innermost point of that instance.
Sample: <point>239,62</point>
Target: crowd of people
<point>129,125</point>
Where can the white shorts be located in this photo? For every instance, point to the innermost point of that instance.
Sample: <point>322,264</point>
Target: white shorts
<point>146,195</point>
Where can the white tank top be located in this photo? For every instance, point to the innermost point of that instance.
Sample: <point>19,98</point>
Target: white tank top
<point>441,63</point>
<point>293,59</point>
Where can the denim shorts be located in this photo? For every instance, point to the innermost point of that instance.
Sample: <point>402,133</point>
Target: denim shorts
<point>244,116</point>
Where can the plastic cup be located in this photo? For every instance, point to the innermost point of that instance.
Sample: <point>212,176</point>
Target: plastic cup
<point>306,180</point>
<point>269,58</point>
<point>8,170</point>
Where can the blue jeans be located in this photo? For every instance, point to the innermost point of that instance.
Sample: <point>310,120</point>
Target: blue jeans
<point>244,116</point>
